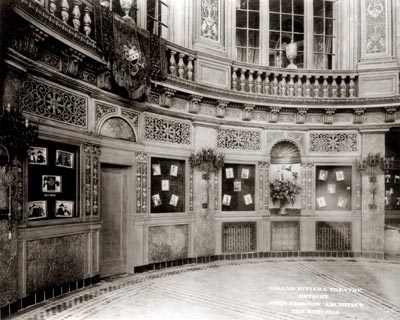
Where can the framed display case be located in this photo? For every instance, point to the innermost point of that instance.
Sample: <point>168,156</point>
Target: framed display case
<point>333,188</point>
<point>53,188</point>
<point>167,185</point>
<point>238,187</point>
<point>392,175</point>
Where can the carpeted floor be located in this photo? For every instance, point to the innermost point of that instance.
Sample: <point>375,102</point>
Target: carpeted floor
<point>253,289</point>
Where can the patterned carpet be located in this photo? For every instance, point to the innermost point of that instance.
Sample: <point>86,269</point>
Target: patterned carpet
<point>255,289</point>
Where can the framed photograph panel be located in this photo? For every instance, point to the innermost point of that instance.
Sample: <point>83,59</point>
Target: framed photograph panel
<point>51,183</point>
<point>37,210</point>
<point>64,209</point>
<point>37,155</point>
<point>64,159</point>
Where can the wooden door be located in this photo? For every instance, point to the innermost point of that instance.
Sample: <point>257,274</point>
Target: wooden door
<point>114,210</point>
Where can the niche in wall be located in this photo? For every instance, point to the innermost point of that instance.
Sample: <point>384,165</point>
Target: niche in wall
<point>53,186</point>
<point>238,187</point>
<point>167,185</point>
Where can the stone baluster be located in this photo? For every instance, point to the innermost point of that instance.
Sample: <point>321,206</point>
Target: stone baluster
<point>258,83</point>
<point>190,68</point>
<point>266,84</point>
<point>343,87</point>
<point>291,85</point>
<point>181,66</point>
<point>316,87</point>
<point>250,81</point>
<point>308,86</point>
<point>172,63</point>
<point>275,85</point>
<point>64,11</point>
<point>87,21</point>
<point>325,87</point>
<point>334,88</point>
<point>283,85</point>
<point>76,15</point>
<point>52,7</point>
<point>299,86</point>
<point>352,87</point>
<point>242,80</point>
<point>234,79</point>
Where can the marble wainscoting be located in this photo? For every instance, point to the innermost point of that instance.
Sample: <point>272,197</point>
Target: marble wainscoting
<point>54,261</point>
<point>8,266</point>
<point>168,243</point>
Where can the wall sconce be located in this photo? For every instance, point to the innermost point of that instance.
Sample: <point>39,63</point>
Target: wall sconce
<point>208,161</point>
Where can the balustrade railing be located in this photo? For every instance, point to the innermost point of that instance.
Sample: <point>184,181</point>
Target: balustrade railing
<point>299,84</point>
<point>78,14</point>
<point>181,62</point>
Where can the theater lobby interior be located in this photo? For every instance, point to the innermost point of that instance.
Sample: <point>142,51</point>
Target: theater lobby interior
<point>199,159</point>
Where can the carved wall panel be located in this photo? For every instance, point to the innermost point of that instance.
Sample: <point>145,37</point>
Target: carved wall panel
<point>102,110</point>
<point>141,182</point>
<point>263,191</point>
<point>236,139</point>
<point>168,243</point>
<point>376,21</point>
<point>239,237</point>
<point>91,174</point>
<point>333,236</point>
<point>50,102</point>
<point>54,261</point>
<point>167,130</point>
<point>210,19</point>
<point>333,142</point>
<point>285,236</point>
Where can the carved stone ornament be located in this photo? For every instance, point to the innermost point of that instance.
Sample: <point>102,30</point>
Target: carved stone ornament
<point>194,104</point>
<point>376,26</point>
<point>236,139</point>
<point>333,142</point>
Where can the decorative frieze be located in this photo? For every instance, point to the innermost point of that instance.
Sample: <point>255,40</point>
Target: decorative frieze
<point>167,130</point>
<point>236,139</point>
<point>390,114</point>
<point>50,59</point>
<point>239,237</point>
<point>358,115</point>
<point>194,104</point>
<point>248,109</point>
<point>274,114</point>
<point>50,102</point>
<point>221,108</point>
<point>329,115</point>
<point>333,142</point>
<point>210,19</point>
<point>91,178</point>
<point>376,21</point>
<point>26,40</point>
<point>103,110</point>
<point>166,96</point>
<point>141,160</point>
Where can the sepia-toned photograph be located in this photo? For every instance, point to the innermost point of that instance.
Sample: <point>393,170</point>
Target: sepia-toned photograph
<point>37,210</point>
<point>64,159</point>
<point>37,155</point>
<point>64,209</point>
<point>51,183</point>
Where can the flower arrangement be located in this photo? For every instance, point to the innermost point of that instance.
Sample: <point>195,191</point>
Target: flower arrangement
<point>284,191</point>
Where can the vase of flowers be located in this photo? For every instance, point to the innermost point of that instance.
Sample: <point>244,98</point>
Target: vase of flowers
<point>285,192</point>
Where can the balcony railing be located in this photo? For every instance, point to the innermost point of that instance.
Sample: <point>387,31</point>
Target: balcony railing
<point>272,82</point>
<point>77,14</point>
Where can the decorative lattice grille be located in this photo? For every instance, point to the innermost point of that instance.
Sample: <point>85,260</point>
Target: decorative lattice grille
<point>238,236</point>
<point>285,236</point>
<point>334,236</point>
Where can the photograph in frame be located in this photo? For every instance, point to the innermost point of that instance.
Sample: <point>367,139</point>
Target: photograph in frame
<point>321,202</point>
<point>64,159</point>
<point>156,169</point>
<point>248,199</point>
<point>173,170</point>
<point>37,155</point>
<point>37,210</point>
<point>237,186</point>
<point>323,175</point>
<point>226,200</point>
<point>245,173</point>
<point>156,200</point>
<point>229,173</point>
<point>51,183</point>
<point>64,209</point>
<point>174,200</point>
<point>339,176</point>
<point>164,185</point>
